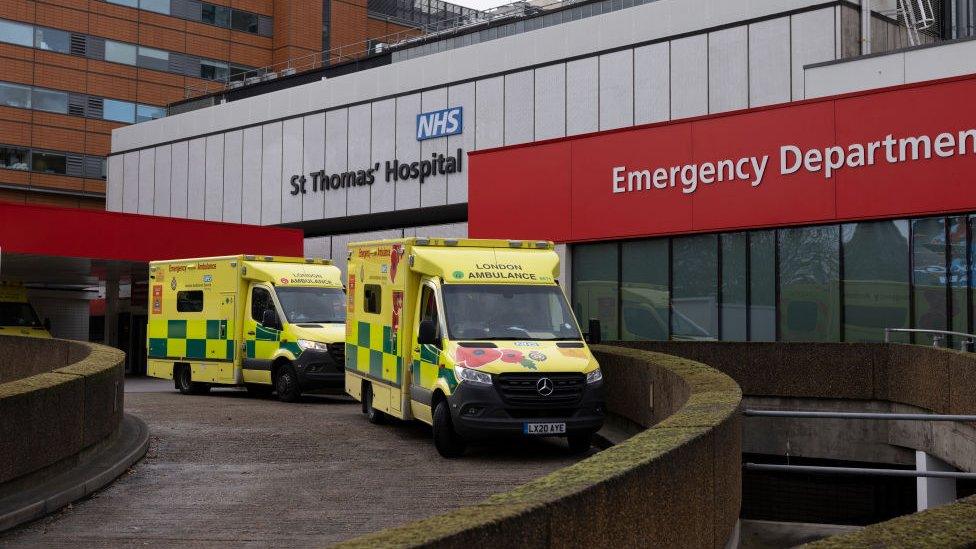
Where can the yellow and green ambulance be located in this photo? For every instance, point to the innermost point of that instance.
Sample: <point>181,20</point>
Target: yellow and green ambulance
<point>17,317</point>
<point>473,337</point>
<point>271,324</point>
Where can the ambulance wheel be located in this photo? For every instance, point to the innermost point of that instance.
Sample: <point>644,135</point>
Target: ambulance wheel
<point>186,385</point>
<point>579,444</point>
<point>287,385</point>
<point>259,391</point>
<point>374,416</point>
<point>447,442</point>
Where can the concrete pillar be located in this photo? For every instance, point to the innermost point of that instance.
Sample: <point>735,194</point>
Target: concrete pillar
<point>933,492</point>
<point>112,309</point>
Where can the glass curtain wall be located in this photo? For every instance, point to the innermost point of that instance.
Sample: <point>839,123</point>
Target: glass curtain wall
<point>844,282</point>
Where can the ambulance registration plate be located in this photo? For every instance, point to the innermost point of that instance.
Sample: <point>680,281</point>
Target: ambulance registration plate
<point>544,428</point>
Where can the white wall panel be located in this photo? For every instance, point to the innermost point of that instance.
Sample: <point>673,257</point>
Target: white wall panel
<point>357,198</point>
<point>550,101</point>
<point>130,177</point>
<point>490,112</point>
<point>519,106</point>
<point>813,42</point>
<point>769,62</point>
<point>115,184</point>
<point>320,246</point>
<point>446,230</point>
<point>689,77</point>
<point>457,183</point>
<point>383,148</point>
<point>728,69</point>
<point>652,83</point>
<point>196,186</point>
<point>407,149</point>
<point>313,160</point>
<point>178,179</point>
<point>271,143</point>
<point>147,180</point>
<point>214,202</point>
<point>233,175</point>
<point>162,180</point>
<point>433,191</point>
<point>582,96</point>
<point>251,188</point>
<point>336,159</point>
<point>617,89</point>
<point>291,164</point>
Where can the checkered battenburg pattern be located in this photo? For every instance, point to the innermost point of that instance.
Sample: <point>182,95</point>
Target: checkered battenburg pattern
<point>375,353</point>
<point>202,339</point>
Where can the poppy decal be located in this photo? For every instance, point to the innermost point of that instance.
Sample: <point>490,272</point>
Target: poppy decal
<point>475,358</point>
<point>514,356</point>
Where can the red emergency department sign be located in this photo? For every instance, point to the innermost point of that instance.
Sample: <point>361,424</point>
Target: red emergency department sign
<point>904,151</point>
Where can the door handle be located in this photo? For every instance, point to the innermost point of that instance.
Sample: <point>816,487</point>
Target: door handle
<point>250,333</point>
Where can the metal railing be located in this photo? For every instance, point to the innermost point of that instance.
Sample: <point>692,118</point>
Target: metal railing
<point>968,343</point>
<point>376,45</point>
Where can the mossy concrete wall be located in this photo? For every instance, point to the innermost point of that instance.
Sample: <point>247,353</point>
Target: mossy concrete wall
<point>62,397</point>
<point>676,484</point>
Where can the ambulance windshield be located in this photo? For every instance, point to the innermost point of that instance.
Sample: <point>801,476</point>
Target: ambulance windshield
<point>502,311</point>
<point>311,304</point>
<point>17,314</point>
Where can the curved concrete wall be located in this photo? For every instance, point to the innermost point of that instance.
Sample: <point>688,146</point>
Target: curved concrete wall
<point>676,484</point>
<point>57,398</point>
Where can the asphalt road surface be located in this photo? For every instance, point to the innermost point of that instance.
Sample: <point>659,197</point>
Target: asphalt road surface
<point>227,469</point>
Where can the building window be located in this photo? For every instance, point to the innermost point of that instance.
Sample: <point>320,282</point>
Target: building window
<point>958,274</point>
<point>152,58</point>
<point>645,293</point>
<point>694,276</point>
<point>14,158</point>
<point>216,15</point>
<point>118,111</point>
<point>149,112</point>
<point>48,162</point>
<point>876,291</point>
<point>190,301</point>
<point>734,306</point>
<point>118,52</point>
<point>929,275</point>
<point>130,3</point>
<point>158,6</point>
<point>762,286</point>
<point>244,21</point>
<point>50,101</point>
<point>213,70</point>
<point>809,299</point>
<point>16,33</point>
<point>52,40</point>
<point>595,287</point>
<point>12,95</point>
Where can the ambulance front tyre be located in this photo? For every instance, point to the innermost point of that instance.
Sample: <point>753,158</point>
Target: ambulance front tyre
<point>374,416</point>
<point>185,383</point>
<point>448,443</point>
<point>286,383</point>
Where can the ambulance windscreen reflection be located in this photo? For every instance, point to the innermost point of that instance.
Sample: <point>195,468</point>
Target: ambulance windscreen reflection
<point>504,312</point>
<point>312,305</point>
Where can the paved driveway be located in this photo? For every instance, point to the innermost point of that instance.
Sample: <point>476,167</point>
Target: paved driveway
<point>227,469</point>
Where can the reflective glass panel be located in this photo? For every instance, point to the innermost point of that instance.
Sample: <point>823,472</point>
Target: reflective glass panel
<point>45,162</point>
<point>158,6</point>
<point>595,290</point>
<point>17,33</point>
<point>118,52</point>
<point>244,21</point>
<point>119,111</point>
<point>213,70</point>
<point>734,286</point>
<point>762,286</point>
<point>216,15</point>
<point>149,112</point>
<point>52,40</point>
<point>14,158</point>
<point>694,277</point>
<point>50,101</point>
<point>644,291</point>
<point>929,275</point>
<point>809,299</point>
<point>13,95</point>
<point>876,292</point>
<point>959,274</point>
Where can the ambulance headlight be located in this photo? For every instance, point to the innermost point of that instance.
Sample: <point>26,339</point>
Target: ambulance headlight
<point>594,376</point>
<point>474,376</point>
<point>308,345</point>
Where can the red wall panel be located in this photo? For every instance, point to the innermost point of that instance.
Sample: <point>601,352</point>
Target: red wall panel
<point>563,189</point>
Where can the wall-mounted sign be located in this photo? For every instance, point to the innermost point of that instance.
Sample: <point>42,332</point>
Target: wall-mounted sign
<point>393,170</point>
<point>439,123</point>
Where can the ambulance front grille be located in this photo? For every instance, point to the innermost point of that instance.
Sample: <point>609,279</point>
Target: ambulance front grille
<point>523,389</point>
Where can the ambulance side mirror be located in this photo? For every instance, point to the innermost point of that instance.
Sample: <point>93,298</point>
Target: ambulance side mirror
<point>269,319</point>
<point>595,335</point>
<point>427,333</point>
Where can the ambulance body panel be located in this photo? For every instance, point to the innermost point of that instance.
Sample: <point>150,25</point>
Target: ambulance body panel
<point>506,356</point>
<point>247,320</point>
<point>17,316</point>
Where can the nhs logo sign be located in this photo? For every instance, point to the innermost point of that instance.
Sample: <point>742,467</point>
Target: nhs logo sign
<point>439,123</point>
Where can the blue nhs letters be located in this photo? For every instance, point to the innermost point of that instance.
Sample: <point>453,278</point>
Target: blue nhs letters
<point>439,123</point>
